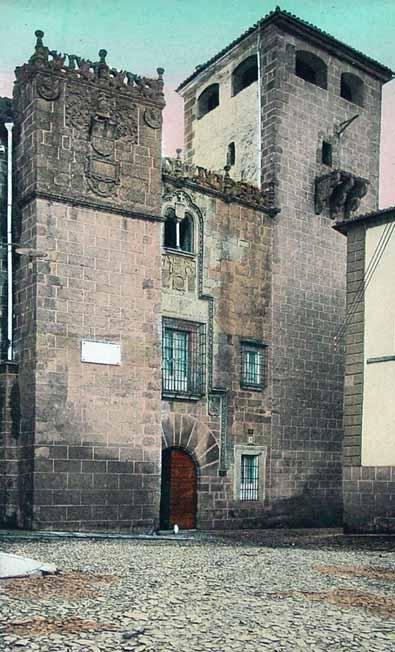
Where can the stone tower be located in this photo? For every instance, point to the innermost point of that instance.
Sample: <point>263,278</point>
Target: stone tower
<point>87,294</point>
<point>290,105</point>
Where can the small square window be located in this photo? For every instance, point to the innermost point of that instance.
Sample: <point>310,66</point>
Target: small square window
<point>253,363</point>
<point>183,359</point>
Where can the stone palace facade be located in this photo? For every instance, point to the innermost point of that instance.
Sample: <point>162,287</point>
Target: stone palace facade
<point>169,349</point>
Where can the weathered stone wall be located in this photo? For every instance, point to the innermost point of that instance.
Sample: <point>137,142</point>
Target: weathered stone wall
<point>3,236</point>
<point>15,455</point>
<point>15,449</point>
<point>309,261</point>
<point>229,290</point>
<point>236,119</point>
<point>88,179</point>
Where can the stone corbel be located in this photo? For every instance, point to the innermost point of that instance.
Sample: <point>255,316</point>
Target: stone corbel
<point>340,192</point>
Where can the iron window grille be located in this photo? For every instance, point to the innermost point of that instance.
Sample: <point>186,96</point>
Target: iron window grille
<point>183,359</point>
<point>253,365</point>
<point>249,477</point>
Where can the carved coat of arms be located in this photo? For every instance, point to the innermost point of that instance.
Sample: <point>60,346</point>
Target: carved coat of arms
<point>104,120</point>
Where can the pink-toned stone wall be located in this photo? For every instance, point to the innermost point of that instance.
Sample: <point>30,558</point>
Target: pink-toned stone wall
<point>229,293</point>
<point>88,181</point>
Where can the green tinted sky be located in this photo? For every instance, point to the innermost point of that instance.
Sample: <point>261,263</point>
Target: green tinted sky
<point>179,34</point>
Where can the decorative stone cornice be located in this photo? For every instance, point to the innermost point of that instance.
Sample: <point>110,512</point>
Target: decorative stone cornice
<point>340,192</point>
<point>219,183</point>
<point>85,203</point>
<point>50,64</point>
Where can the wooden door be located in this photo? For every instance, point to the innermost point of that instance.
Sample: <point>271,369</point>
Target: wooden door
<point>179,490</point>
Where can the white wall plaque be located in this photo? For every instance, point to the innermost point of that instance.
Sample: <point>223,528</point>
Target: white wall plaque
<point>100,352</point>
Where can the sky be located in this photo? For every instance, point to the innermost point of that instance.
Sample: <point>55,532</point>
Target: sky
<point>177,35</point>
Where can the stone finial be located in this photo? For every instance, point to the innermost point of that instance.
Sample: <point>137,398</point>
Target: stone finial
<point>160,72</point>
<point>179,167</point>
<point>39,35</point>
<point>41,51</point>
<point>228,182</point>
<point>100,67</point>
<point>102,56</point>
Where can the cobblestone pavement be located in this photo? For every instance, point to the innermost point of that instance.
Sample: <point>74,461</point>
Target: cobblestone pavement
<point>245,592</point>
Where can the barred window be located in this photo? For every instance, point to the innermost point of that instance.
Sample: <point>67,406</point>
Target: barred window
<point>249,477</point>
<point>253,365</point>
<point>249,472</point>
<point>183,359</point>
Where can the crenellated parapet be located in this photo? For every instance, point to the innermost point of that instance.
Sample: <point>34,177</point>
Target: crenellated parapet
<point>221,183</point>
<point>88,133</point>
<point>53,68</point>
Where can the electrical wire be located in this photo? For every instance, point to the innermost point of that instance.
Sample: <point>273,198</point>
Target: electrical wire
<point>373,263</point>
<point>369,273</point>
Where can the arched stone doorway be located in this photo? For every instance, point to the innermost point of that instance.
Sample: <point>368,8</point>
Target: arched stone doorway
<point>179,490</point>
<point>186,434</point>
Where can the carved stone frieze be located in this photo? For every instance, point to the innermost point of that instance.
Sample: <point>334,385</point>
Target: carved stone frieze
<point>104,116</point>
<point>220,182</point>
<point>48,87</point>
<point>153,118</point>
<point>214,405</point>
<point>102,176</point>
<point>340,192</point>
<point>125,116</point>
<point>78,107</point>
<point>178,273</point>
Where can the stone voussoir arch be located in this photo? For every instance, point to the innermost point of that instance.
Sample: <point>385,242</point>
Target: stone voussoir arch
<point>193,436</point>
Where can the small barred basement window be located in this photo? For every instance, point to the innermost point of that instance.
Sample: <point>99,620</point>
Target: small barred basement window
<point>208,100</point>
<point>183,359</point>
<point>311,68</point>
<point>351,88</point>
<point>178,233</point>
<point>253,365</point>
<point>249,477</point>
<point>245,74</point>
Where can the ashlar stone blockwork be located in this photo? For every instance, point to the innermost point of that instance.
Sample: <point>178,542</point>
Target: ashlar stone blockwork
<point>87,167</point>
<point>95,132</point>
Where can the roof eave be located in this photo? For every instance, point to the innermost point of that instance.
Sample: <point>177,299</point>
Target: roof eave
<point>384,215</point>
<point>317,38</point>
<point>297,26</point>
<point>195,76</point>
